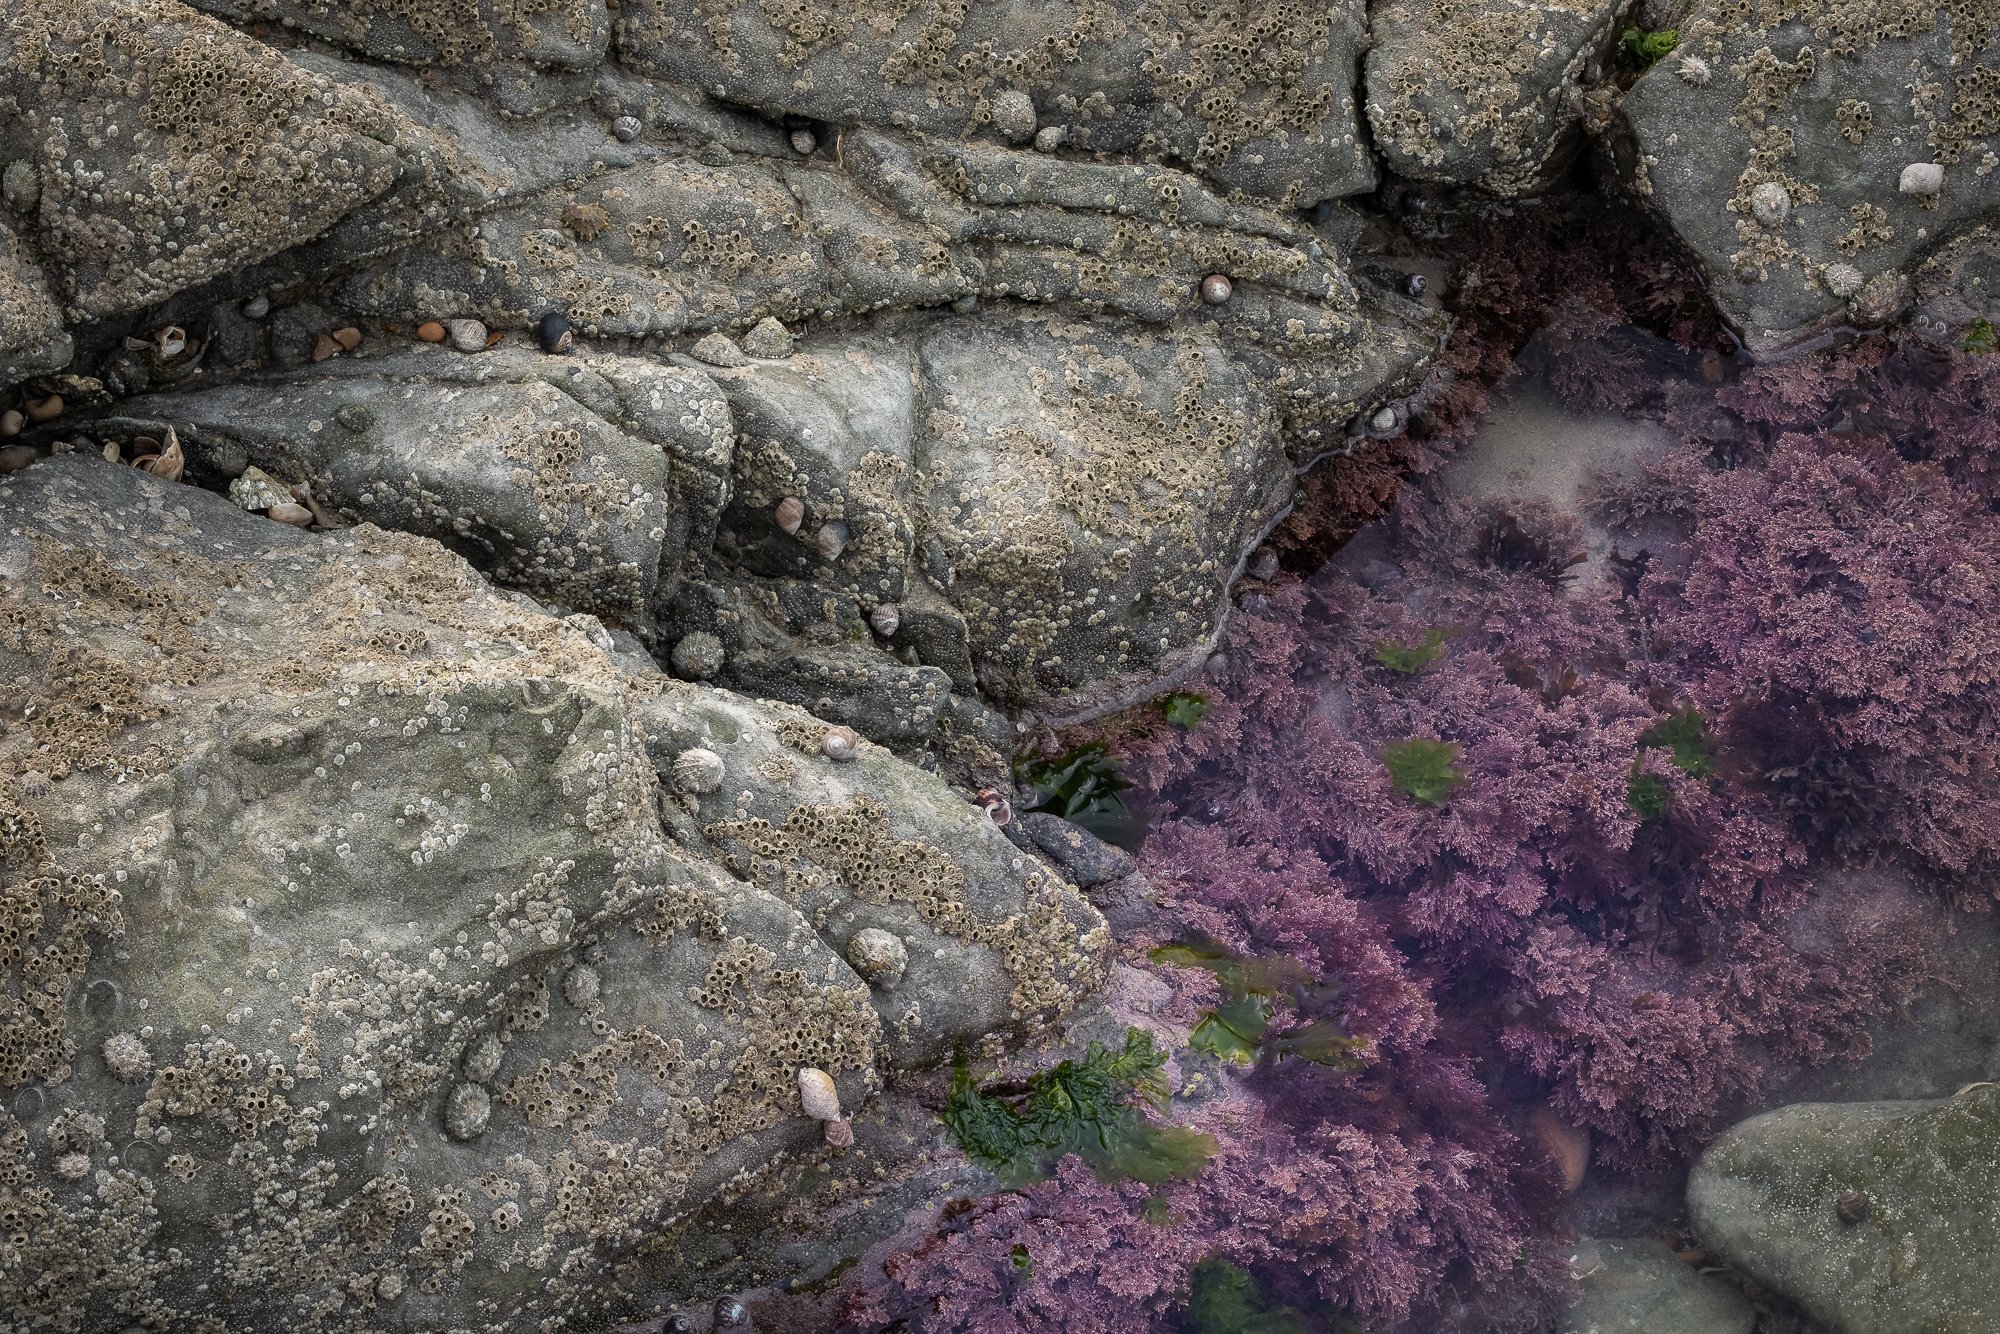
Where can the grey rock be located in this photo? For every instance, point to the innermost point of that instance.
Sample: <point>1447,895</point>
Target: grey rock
<point>226,151</point>
<point>1923,1256</point>
<point>1641,1287</point>
<point>32,336</point>
<point>500,831</point>
<point>1013,115</point>
<point>1482,92</point>
<point>577,487</point>
<point>1834,122</point>
<point>1050,138</point>
<point>1081,855</point>
<point>553,33</point>
<point>1258,106</point>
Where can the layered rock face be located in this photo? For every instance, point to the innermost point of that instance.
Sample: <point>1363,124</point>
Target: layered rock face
<point>384,954</point>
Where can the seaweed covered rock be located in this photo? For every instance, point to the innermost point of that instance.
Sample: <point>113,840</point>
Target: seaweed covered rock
<point>367,976</point>
<point>1254,97</point>
<point>1482,92</point>
<point>1876,1218</point>
<point>1853,141</point>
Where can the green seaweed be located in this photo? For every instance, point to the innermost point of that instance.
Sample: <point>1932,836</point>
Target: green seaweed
<point>1643,50</point>
<point>1024,1263</point>
<point>1409,659</point>
<point>1686,735</point>
<point>1185,708</point>
<point>1094,1107</point>
<point>1085,786</point>
<point>1980,340</point>
<point>1647,795</point>
<point>1242,1028</point>
<point>1225,1299</point>
<point>1424,769</point>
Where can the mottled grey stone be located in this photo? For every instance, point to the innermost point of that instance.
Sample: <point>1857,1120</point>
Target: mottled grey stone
<point>1081,855</point>
<point>1638,1286</point>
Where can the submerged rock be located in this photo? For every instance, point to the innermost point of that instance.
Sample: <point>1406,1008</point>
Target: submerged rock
<point>1917,1253</point>
<point>1633,1286</point>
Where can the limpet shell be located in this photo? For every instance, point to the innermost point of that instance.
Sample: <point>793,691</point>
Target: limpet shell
<point>697,770</point>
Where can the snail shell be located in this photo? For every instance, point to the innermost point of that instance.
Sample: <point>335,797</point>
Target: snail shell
<point>790,513</point>
<point>817,1094</point>
<point>840,743</point>
<point>886,619</point>
<point>697,770</point>
<point>839,1134</point>
<point>831,539</point>
<point>1216,289</point>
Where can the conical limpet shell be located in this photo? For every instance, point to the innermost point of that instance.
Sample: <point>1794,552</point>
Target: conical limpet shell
<point>697,770</point>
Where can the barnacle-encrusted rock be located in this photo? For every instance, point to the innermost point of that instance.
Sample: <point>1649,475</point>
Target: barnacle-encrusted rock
<point>318,810</point>
<point>171,149</point>
<point>1482,92</point>
<point>1254,96</point>
<point>1924,1257</point>
<point>32,337</point>
<point>1832,103</point>
<point>125,1055</point>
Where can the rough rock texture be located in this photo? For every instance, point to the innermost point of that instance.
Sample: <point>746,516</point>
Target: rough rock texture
<point>32,337</point>
<point>1481,92</point>
<point>1641,1287</point>
<point>297,825</point>
<point>171,148</point>
<point>1830,102</point>
<point>1775,1194</point>
<point>1083,856</point>
<point>1256,97</point>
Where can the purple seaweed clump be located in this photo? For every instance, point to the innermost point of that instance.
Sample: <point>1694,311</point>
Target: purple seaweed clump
<point>1793,644</point>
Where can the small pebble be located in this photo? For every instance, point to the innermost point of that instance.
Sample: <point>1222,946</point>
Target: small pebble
<point>803,143</point>
<point>348,338</point>
<point>430,331</point>
<point>789,514</point>
<point>554,334</point>
<point>257,307</point>
<point>257,490</point>
<point>627,128</point>
<point>11,422</point>
<point>697,656</point>
<point>1014,115</point>
<point>1216,289</point>
<point>1051,137</point>
<point>1922,178</point>
<point>13,458</point>
<point>466,335</point>
<point>886,620</point>
<point>840,744</point>
<point>324,347</point>
<point>291,512</point>
<point>45,409</point>
<point>1386,422</point>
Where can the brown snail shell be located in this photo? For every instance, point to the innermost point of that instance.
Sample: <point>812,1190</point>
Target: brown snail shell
<point>840,743</point>
<point>291,512</point>
<point>790,513</point>
<point>839,1134</point>
<point>995,804</point>
<point>831,539</point>
<point>1216,289</point>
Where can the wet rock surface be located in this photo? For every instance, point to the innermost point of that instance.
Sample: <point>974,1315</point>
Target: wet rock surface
<point>1876,1218</point>
<point>347,880</point>
<point>1641,1287</point>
